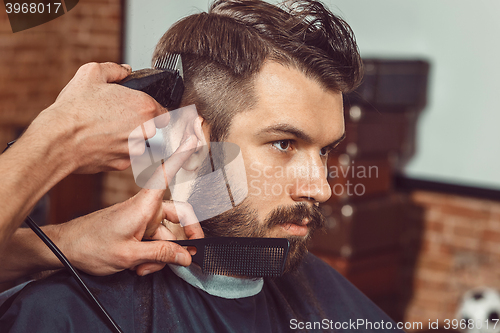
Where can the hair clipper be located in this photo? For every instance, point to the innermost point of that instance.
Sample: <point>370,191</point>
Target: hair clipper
<point>164,82</point>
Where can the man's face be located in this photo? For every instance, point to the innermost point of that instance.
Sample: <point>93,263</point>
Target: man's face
<point>285,141</point>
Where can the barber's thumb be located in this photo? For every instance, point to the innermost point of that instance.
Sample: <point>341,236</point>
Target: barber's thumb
<point>147,195</point>
<point>164,252</point>
<point>180,258</point>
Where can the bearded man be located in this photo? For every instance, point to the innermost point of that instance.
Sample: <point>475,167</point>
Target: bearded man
<point>269,79</point>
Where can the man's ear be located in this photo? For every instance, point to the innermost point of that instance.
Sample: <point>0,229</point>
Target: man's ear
<point>202,131</point>
<point>205,130</point>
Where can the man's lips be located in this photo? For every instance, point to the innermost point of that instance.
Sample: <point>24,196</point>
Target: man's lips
<point>296,228</point>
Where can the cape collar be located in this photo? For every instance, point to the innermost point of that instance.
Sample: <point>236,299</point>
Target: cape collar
<point>218,285</point>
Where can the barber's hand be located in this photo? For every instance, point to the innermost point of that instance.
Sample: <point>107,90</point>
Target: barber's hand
<point>109,240</point>
<point>98,117</point>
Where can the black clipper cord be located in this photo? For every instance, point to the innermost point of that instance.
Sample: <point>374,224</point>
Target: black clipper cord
<point>97,305</point>
<point>166,86</point>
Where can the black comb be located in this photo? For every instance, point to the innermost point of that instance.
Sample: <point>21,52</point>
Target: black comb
<point>240,256</point>
<point>163,83</point>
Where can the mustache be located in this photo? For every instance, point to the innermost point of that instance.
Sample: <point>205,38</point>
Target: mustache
<point>296,214</point>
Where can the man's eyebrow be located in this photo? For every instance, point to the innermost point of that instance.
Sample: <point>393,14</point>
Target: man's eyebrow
<point>298,133</point>
<point>286,129</point>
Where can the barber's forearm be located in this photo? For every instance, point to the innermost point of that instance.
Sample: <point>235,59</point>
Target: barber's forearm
<point>26,254</point>
<point>30,168</point>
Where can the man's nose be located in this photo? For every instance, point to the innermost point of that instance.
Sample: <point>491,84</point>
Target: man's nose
<point>310,181</point>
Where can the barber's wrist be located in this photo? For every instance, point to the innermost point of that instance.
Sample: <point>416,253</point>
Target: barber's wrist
<point>54,133</point>
<point>26,254</point>
<point>48,260</point>
<point>35,163</point>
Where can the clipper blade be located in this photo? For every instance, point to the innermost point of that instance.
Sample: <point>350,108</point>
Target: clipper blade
<point>170,61</point>
<point>163,83</point>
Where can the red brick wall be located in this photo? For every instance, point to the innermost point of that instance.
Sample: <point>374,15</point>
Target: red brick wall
<point>460,250</point>
<point>37,63</point>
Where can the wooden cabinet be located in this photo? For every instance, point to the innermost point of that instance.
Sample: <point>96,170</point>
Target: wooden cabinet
<point>366,218</point>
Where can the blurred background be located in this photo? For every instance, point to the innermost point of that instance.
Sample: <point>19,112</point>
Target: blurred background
<point>415,217</point>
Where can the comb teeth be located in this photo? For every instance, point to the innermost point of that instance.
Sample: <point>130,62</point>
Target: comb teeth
<point>245,260</point>
<point>170,61</point>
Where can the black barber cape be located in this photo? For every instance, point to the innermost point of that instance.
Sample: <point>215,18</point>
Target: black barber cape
<point>314,299</point>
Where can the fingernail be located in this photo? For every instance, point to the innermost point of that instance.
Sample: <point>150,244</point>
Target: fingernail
<point>146,272</point>
<point>180,258</point>
<point>127,66</point>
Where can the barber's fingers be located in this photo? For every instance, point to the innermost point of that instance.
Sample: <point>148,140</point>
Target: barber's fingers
<point>156,186</point>
<point>147,130</point>
<point>164,174</point>
<point>149,127</point>
<point>127,67</point>
<point>194,231</point>
<point>155,230</point>
<point>155,254</point>
<point>183,213</point>
<point>176,212</point>
<point>112,72</point>
<point>160,234</point>
<point>180,212</point>
<point>136,142</point>
<point>102,72</point>
<point>162,120</point>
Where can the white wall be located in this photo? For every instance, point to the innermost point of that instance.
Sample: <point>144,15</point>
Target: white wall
<point>147,20</point>
<point>458,138</point>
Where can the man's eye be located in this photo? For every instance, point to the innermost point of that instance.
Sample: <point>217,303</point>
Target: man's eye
<point>282,145</point>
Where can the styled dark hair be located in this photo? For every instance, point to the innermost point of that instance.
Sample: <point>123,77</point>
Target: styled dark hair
<point>224,49</point>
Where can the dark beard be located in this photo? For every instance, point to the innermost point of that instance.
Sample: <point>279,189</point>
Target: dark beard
<point>242,221</point>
